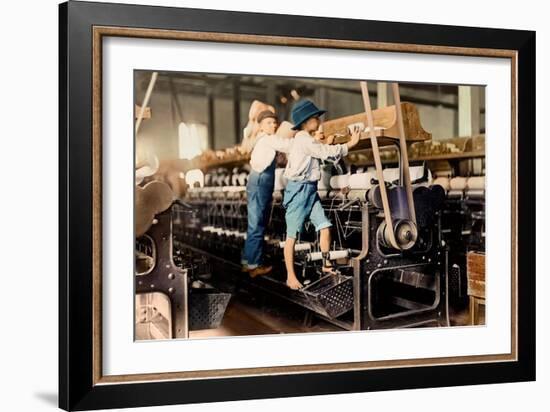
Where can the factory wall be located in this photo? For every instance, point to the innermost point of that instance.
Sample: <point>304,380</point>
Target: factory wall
<point>160,133</point>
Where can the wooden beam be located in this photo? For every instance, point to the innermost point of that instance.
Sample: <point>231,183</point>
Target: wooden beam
<point>385,123</point>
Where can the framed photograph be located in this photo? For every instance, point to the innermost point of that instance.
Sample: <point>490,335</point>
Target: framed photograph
<point>257,206</point>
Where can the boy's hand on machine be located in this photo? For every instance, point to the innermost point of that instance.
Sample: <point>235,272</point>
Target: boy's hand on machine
<point>355,136</point>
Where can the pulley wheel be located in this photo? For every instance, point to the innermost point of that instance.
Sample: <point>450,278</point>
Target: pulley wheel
<point>405,233</point>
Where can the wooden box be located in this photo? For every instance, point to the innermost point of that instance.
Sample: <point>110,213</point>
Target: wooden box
<point>475,267</point>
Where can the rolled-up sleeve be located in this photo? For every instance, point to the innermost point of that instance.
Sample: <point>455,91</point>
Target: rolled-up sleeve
<point>325,151</point>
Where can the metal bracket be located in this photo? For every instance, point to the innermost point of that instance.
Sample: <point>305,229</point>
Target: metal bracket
<point>166,277</point>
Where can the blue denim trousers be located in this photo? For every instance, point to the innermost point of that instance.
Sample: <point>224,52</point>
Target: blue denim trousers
<point>259,192</point>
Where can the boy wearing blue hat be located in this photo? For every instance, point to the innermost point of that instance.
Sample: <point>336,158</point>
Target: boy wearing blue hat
<point>301,200</point>
<point>259,190</point>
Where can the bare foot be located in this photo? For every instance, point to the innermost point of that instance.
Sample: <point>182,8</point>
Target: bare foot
<point>294,284</point>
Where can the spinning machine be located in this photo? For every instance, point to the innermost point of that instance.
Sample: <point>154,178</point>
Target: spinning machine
<point>391,233</point>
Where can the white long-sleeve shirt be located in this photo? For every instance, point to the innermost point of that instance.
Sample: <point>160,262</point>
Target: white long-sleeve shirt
<point>265,149</point>
<point>304,156</point>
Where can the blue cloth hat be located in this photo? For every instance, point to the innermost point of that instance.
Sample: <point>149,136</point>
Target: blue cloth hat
<point>302,111</point>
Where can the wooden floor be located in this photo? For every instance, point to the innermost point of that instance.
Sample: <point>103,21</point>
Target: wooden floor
<point>242,319</point>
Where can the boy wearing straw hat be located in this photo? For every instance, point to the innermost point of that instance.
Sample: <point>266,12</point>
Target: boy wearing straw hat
<point>301,200</point>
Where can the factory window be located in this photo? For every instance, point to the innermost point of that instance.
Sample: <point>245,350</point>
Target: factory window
<point>192,140</point>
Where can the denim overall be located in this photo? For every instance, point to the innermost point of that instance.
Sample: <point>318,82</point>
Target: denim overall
<point>259,192</point>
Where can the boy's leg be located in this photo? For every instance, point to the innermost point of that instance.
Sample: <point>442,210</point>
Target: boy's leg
<point>255,231</point>
<point>322,225</point>
<point>297,209</point>
<point>325,239</point>
<point>262,204</point>
<point>265,196</point>
<point>252,235</point>
<point>291,281</point>
<point>325,250</point>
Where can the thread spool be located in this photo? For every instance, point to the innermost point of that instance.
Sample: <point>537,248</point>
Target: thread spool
<point>358,194</point>
<point>361,180</point>
<point>298,247</point>
<point>334,254</point>
<point>339,182</point>
<point>476,183</point>
<point>458,183</point>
